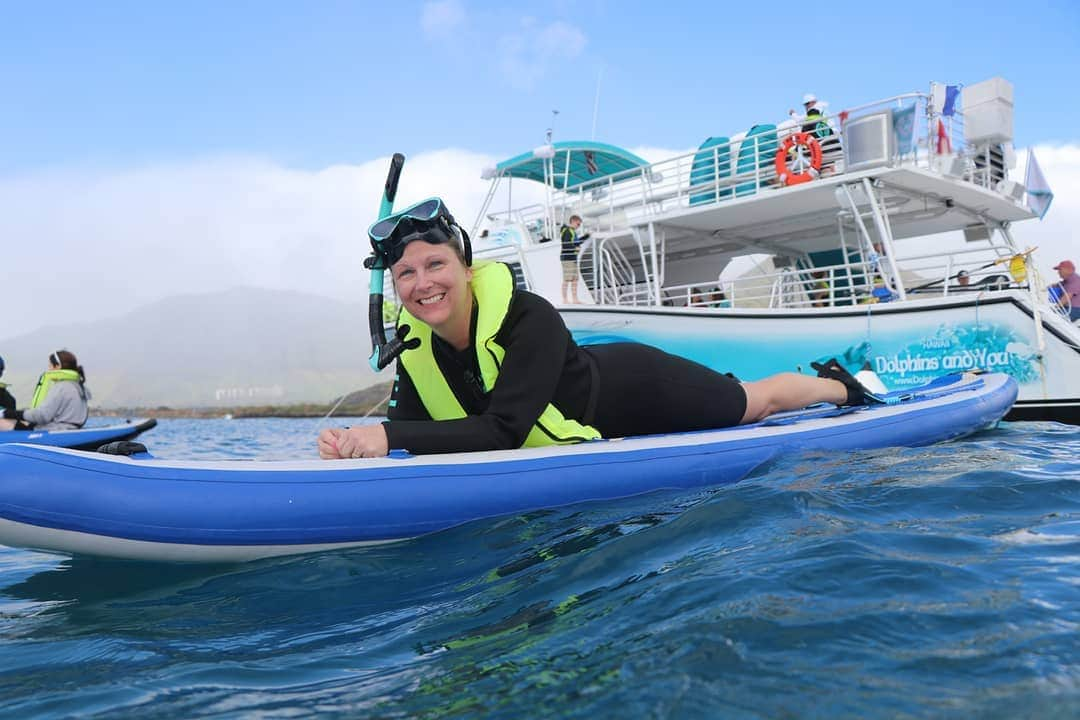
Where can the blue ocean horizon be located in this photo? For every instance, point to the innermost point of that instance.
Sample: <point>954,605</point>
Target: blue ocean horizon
<point>907,582</point>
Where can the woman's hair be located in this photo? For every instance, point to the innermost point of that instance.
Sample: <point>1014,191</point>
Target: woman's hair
<point>66,360</point>
<point>456,243</point>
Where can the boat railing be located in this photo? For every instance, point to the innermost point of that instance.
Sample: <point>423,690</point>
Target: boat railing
<point>744,167</point>
<point>514,256</point>
<point>610,272</point>
<point>785,288</point>
<point>964,270</point>
<point>987,269</point>
<point>531,217</point>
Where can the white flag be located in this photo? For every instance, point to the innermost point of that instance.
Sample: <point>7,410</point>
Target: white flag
<point>1039,195</point>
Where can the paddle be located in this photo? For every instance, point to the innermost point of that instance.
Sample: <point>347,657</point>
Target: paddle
<point>1024,255</point>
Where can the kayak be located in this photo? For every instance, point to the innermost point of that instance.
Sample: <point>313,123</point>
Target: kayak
<point>87,438</point>
<point>144,508</point>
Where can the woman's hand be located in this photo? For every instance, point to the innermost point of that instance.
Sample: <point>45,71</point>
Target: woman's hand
<point>355,442</point>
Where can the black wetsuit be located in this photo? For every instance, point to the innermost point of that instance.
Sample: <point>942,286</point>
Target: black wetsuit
<point>7,401</point>
<point>639,390</point>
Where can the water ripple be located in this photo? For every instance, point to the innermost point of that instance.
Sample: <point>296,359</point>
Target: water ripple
<point>936,581</point>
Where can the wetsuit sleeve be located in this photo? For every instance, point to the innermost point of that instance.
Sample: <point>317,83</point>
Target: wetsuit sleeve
<point>7,400</point>
<point>536,342</point>
<point>405,403</point>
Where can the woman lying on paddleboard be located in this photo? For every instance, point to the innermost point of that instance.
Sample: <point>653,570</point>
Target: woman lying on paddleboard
<point>493,367</point>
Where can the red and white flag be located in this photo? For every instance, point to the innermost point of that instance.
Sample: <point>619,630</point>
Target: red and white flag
<point>943,145</point>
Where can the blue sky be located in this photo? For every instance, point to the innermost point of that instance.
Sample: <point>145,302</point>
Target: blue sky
<point>310,84</point>
<point>188,147</point>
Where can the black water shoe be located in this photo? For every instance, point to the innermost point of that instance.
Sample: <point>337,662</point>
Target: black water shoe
<point>856,393</point>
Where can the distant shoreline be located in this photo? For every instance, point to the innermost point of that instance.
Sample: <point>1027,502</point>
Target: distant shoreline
<point>369,401</point>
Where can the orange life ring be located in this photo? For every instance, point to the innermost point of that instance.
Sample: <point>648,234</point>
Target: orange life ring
<point>802,168</point>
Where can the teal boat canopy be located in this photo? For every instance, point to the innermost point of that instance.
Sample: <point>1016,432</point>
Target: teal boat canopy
<point>588,162</point>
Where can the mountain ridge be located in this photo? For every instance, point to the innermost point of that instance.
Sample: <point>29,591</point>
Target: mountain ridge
<point>241,346</point>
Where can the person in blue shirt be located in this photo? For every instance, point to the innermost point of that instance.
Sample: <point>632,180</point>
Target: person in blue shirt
<point>1068,299</point>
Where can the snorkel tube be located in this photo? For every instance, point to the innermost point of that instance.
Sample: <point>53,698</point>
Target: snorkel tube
<point>384,352</point>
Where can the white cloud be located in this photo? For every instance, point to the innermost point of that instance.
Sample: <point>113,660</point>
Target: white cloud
<point>526,56</point>
<point>442,17</point>
<point>1056,235</point>
<point>81,245</point>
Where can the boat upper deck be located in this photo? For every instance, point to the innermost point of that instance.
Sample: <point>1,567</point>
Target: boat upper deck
<point>930,175</point>
<point>825,197</point>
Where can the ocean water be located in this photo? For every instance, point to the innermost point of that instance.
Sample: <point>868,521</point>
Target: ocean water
<point>901,583</point>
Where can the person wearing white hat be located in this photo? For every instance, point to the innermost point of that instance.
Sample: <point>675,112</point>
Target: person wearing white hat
<point>813,116</point>
<point>815,123</point>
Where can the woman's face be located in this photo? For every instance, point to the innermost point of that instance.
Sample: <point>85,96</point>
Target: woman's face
<point>433,285</point>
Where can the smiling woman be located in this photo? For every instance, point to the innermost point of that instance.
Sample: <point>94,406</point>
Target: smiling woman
<point>491,367</point>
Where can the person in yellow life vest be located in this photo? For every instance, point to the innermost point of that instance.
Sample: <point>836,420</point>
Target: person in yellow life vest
<point>819,288</point>
<point>60,400</point>
<point>489,366</point>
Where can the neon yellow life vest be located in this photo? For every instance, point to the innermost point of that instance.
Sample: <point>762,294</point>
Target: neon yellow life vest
<point>493,287</point>
<point>47,379</point>
<point>820,123</point>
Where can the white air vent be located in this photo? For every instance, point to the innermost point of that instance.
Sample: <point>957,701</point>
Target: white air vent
<point>868,141</point>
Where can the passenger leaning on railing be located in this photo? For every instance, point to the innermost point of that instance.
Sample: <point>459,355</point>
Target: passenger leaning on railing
<point>819,293</point>
<point>1069,297</point>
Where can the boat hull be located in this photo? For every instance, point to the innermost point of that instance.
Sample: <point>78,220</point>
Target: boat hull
<point>906,344</point>
<point>230,511</point>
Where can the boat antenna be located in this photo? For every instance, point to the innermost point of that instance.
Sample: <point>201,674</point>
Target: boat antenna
<point>596,102</point>
<point>551,130</point>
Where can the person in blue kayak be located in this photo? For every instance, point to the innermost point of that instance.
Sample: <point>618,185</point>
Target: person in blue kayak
<point>490,366</point>
<point>60,400</point>
<point>7,400</point>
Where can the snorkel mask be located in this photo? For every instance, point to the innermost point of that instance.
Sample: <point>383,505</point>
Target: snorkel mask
<point>428,220</point>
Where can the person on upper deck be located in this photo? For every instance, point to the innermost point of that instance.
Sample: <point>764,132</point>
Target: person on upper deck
<point>818,125</point>
<point>489,366</point>
<point>571,243</point>
<point>819,288</point>
<point>813,118</point>
<point>60,400</point>
<point>1070,285</point>
<point>7,400</point>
